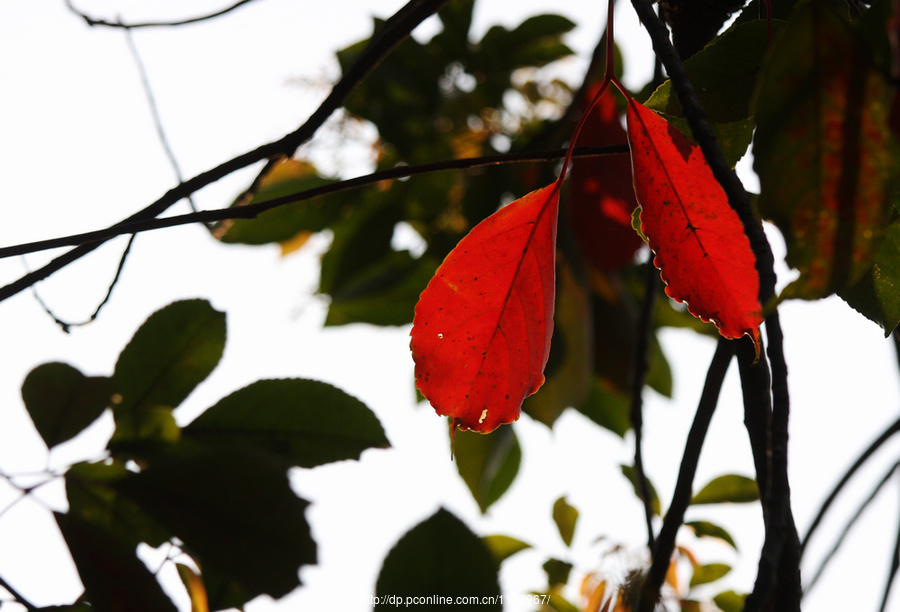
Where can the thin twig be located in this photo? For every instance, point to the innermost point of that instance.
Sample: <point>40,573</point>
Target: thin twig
<point>892,574</point>
<point>850,523</point>
<point>391,33</point>
<point>886,435</point>
<point>154,112</point>
<point>252,210</point>
<point>66,326</point>
<point>18,596</point>
<point>641,366</point>
<point>91,21</point>
<point>681,498</point>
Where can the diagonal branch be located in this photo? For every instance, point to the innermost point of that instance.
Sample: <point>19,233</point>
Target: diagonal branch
<point>681,499</point>
<point>253,210</point>
<point>391,33</point>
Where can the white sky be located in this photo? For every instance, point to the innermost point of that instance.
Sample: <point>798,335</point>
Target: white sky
<point>79,152</point>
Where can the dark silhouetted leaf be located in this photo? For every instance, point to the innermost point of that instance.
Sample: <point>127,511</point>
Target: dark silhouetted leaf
<point>236,514</point>
<point>705,529</point>
<point>821,148</point>
<point>701,249</point>
<point>440,557</point>
<point>93,497</point>
<point>171,353</point>
<point>568,372</point>
<point>482,328</point>
<point>114,579</point>
<point>566,517</point>
<point>62,401</point>
<point>487,464</point>
<point>504,547</point>
<point>731,488</point>
<point>303,422</point>
<point>877,294</point>
<point>723,75</point>
<point>557,572</point>
<point>704,574</point>
<point>607,409</point>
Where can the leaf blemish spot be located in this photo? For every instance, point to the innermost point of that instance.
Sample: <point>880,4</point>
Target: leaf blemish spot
<point>483,416</point>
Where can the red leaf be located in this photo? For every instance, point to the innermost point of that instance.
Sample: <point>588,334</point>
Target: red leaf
<point>601,194</point>
<point>482,327</point>
<point>701,250</point>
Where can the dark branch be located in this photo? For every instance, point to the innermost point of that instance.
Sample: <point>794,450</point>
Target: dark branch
<point>641,365</point>
<point>91,21</point>
<point>391,33</point>
<point>775,571</point>
<point>253,210</point>
<point>681,499</point>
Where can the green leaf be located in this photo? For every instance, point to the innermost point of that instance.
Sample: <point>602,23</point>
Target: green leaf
<point>729,601</point>
<point>487,463</point>
<point>504,547</point>
<point>287,177</point>
<point>877,294</point>
<point>234,510</point>
<point>93,497</point>
<point>608,409</point>
<point>730,488</point>
<point>629,473</point>
<point>303,422</point>
<point>440,558</point>
<point>114,578</point>
<point>705,529</point>
<point>62,401</point>
<point>383,293</point>
<point>822,148</point>
<point>566,517</point>
<point>557,572</point>
<point>171,353</point>
<point>723,75</point>
<point>704,574</point>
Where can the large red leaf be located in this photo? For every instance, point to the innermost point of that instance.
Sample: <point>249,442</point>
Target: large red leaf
<point>701,250</point>
<point>601,194</point>
<point>482,327</point>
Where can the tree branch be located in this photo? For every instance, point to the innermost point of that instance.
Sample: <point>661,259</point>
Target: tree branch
<point>91,21</point>
<point>681,499</point>
<point>775,571</point>
<point>391,33</point>
<point>253,210</point>
<point>641,365</point>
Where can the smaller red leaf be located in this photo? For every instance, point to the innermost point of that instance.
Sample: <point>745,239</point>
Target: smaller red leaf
<point>701,249</point>
<point>482,327</point>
